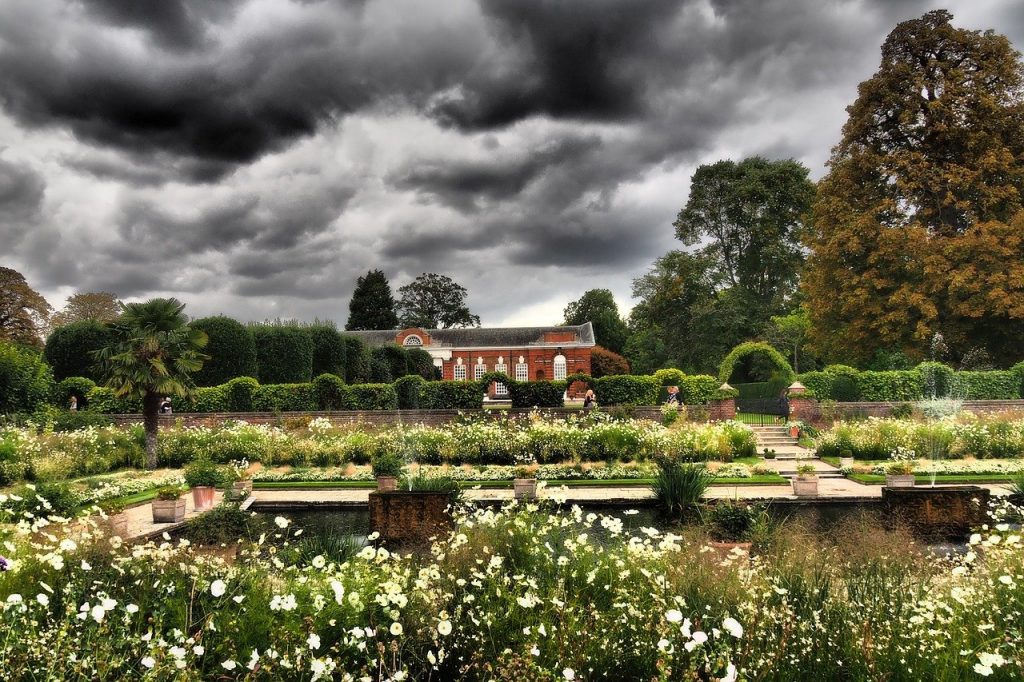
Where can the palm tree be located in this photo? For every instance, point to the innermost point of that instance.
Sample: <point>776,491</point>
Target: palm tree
<point>152,355</point>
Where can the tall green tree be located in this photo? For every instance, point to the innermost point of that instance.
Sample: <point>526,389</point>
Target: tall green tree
<point>153,354</point>
<point>598,307</point>
<point>24,313</point>
<point>918,226</point>
<point>372,305</point>
<point>433,301</point>
<point>788,334</point>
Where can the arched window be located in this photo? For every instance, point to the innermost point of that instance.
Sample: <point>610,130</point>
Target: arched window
<point>559,366</point>
<point>412,340</point>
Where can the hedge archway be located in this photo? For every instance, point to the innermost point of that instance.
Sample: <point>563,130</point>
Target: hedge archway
<point>742,351</point>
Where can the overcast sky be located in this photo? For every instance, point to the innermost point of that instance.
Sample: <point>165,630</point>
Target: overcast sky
<point>253,157</point>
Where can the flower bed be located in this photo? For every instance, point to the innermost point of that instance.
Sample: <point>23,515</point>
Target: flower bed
<point>516,593</point>
<point>995,467</point>
<point>985,437</point>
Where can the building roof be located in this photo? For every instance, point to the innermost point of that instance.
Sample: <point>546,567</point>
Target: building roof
<point>484,337</point>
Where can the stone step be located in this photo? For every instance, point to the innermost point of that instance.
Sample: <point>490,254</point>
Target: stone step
<point>777,439</point>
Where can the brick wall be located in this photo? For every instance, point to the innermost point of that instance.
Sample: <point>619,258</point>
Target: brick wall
<point>539,360</point>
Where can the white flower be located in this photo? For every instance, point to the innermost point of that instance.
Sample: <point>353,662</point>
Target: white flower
<point>177,651</point>
<point>1006,580</point>
<point>199,650</point>
<point>229,665</point>
<point>396,629</point>
<point>732,626</point>
<point>108,604</point>
<point>319,561</point>
<point>131,608</point>
<point>730,674</point>
<point>313,641</point>
<point>217,588</point>
<point>98,613</point>
<point>673,616</point>
<point>148,662</point>
<point>983,670</point>
<point>569,674</point>
<point>444,627</point>
<point>699,637</point>
<point>238,598</point>
<point>43,599</point>
<point>535,651</point>
<point>281,522</point>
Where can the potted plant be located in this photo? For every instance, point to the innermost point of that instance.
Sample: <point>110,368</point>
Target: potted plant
<point>806,482</point>
<point>116,519</point>
<point>733,524</point>
<point>794,429</point>
<point>203,476</point>
<point>899,475</point>
<point>769,453</point>
<point>387,467</point>
<point>169,505</point>
<point>240,480</point>
<point>525,483</point>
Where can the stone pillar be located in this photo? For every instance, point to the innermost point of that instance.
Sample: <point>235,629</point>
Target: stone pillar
<point>802,407</point>
<point>722,409</point>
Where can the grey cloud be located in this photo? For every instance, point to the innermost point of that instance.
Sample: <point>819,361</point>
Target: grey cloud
<point>21,191</point>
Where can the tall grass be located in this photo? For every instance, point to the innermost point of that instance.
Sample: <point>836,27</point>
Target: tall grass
<point>678,487</point>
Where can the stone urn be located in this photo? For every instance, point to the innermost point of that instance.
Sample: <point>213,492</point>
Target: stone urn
<point>899,480</point>
<point>169,511</point>
<point>202,497</point>
<point>525,488</point>
<point>387,483</point>
<point>805,486</point>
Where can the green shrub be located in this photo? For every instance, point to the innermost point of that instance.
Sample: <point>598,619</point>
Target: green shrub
<point>766,351</point>
<point>73,386</point>
<point>25,380</point>
<point>1018,369</point>
<point>231,347</point>
<point>203,472</point>
<point>372,397</point>
<point>225,523</point>
<point>102,399</point>
<point>394,357</point>
<point>357,361</point>
<point>537,393</point>
<point>210,399</point>
<point>69,349</point>
<point>628,390</point>
<point>421,363</point>
<point>328,350</point>
<point>65,420</point>
<point>936,379</point>
<point>408,390</point>
<point>284,354</point>
<point>240,394</point>
<point>388,463</point>
<point>331,392</point>
<point>698,389</point>
<point>819,384</point>
<point>380,371</point>
<point>285,398</point>
<point>843,383</point>
<point>991,385</point>
<point>451,395</point>
<point>670,376</point>
<point>678,487</point>
<point>894,385</point>
<point>62,499</point>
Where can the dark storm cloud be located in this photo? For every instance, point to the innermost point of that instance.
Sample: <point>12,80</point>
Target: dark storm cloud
<point>21,191</point>
<point>175,24</point>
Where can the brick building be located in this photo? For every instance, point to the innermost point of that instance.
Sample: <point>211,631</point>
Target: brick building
<point>523,353</point>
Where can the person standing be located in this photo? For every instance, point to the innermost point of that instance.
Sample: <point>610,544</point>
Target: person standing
<point>589,399</point>
<point>73,405</point>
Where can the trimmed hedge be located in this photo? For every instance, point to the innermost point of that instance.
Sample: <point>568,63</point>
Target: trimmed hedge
<point>69,349</point>
<point>285,398</point>
<point>232,351</point>
<point>846,384</point>
<point>240,394</point>
<point>357,360</point>
<point>328,350</point>
<point>896,385</point>
<point>992,385</point>
<point>330,392</point>
<point>408,390</point>
<point>537,393</point>
<point>670,376</point>
<point>452,395</point>
<point>73,386</point>
<point>102,399</point>
<point>284,355</point>
<point>394,358</point>
<point>371,397</point>
<point>421,363</point>
<point>698,389</point>
<point>628,390</point>
<point>743,350</point>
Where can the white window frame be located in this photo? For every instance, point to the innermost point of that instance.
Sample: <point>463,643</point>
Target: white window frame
<point>502,368</point>
<point>500,388</point>
<point>412,340</point>
<point>458,370</point>
<point>522,371</point>
<point>561,366</point>
<point>479,371</point>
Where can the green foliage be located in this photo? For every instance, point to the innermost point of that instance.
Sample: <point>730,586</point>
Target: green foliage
<point>779,365</point>
<point>936,379</point>
<point>598,307</point>
<point>202,472</point>
<point>844,386</point>
<point>408,390</point>
<point>328,350</point>
<point>231,347</point>
<point>735,521</point>
<point>537,393</point>
<point>357,361</point>
<point>284,354</point>
<point>69,349</point>
<point>372,397</point>
<point>25,380</point>
<point>223,524</point>
<point>209,399</point>
<point>897,385</point>
<point>698,389</point>
<point>678,487</point>
<point>762,390</point>
<point>380,371</point>
<point>451,395</point>
<point>433,301</point>
<point>670,376</point>
<point>604,362</point>
<point>331,392</point>
<point>421,363</point>
<point>991,385</point>
<point>241,394</point>
<point>169,493</point>
<point>64,420</point>
<point>422,483</point>
<point>387,463</point>
<point>73,386</point>
<point>285,398</point>
<point>393,358</point>
<point>628,390</point>
<point>372,305</point>
<point>102,399</point>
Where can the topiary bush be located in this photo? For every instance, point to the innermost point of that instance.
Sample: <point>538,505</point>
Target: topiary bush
<point>843,383</point>
<point>284,354</point>
<point>380,371</point>
<point>451,395</point>
<point>819,384</point>
<point>670,376</point>
<point>738,354</point>
<point>936,379</point>
<point>240,394</point>
<point>285,398</point>
<point>69,349</point>
<point>331,392</point>
<point>209,399</point>
<point>408,390</point>
<point>421,363</point>
<point>231,347</point>
<point>537,393</point>
<point>628,390</point>
<point>73,386</point>
<point>357,361</point>
<point>328,350</point>
<point>698,389</point>
<point>898,385</point>
<point>102,399</point>
<point>393,357</point>
<point>991,385</point>
<point>372,397</point>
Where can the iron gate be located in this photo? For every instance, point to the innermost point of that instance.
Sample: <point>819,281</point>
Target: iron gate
<point>761,412</point>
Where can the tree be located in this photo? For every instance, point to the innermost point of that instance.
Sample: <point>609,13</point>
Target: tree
<point>153,354</point>
<point>604,363</point>
<point>69,349</point>
<point>25,380</point>
<point>433,301</point>
<point>24,313</point>
<point>918,226</point>
<point>98,306</point>
<point>752,214</point>
<point>372,306</point>
<point>598,307</point>
<point>789,333</point>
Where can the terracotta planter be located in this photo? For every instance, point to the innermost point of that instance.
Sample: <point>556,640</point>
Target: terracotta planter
<point>169,511</point>
<point>240,490</point>
<point>794,432</point>
<point>899,480</point>
<point>387,483</point>
<point>525,488</point>
<point>202,497</point>
<point>805,487</point>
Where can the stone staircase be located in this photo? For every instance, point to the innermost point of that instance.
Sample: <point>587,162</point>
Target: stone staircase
<point>787,452</point>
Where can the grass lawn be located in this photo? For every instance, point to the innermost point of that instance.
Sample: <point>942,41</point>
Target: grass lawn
<point>924,479</point>
<point>755,418</point>
<point>768,479</point>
